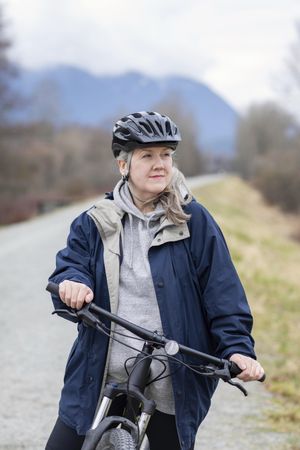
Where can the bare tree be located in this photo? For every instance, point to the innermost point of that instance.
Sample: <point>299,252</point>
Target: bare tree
<point>279,180</point>
<point>7,72</point>
<point>266,129</point>
<point>293,60</point>
<point>268,154</point>
<point>86,161</point>
<point>45,104</point>
<point>289,81</point>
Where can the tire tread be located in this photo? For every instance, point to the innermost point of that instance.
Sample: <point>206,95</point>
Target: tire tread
<point>116,439</point>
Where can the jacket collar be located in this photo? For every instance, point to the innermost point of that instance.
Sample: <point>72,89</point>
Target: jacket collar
<point>169,232</point>
<point>108,218</point>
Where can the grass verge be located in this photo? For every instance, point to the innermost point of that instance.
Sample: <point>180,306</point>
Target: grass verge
<point>268,262</point>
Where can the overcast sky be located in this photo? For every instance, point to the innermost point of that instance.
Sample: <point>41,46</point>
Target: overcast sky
<point>237,47</point>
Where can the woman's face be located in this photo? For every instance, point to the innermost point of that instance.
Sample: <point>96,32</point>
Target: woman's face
<point>150,171</point>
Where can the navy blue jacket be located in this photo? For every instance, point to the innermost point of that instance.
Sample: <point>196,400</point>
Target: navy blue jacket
<point>202,305</point>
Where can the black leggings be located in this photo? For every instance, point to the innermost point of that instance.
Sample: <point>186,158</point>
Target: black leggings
<point>161,432</point>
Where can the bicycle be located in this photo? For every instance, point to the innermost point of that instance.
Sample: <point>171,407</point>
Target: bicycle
<point>128,432</point>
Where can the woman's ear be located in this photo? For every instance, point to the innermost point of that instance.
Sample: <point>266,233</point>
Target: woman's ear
<point>122,167</point>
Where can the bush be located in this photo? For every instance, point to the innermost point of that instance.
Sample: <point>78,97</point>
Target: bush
<point>43,167</point>
<point>279,180</point>
<point>268,154</point>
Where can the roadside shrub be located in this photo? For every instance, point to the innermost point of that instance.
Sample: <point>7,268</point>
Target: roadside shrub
<point>279,180</point>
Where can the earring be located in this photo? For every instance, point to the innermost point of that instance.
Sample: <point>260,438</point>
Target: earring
<point>125,176</point>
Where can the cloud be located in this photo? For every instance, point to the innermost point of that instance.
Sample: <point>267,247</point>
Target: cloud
<point>233,46</point>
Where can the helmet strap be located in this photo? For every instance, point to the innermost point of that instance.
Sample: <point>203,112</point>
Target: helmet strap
<point>125,176</point>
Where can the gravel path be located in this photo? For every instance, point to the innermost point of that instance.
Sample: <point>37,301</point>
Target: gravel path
<point>35,345</point>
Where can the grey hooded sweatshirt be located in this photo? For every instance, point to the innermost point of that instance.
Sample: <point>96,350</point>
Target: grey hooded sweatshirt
<point>137,298</point>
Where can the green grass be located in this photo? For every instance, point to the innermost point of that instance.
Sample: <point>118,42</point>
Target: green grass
<point>268,262</point>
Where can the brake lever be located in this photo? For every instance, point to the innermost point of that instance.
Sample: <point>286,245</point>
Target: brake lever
<point>65,312</point>
<point>239,386</point>
<point>82,315</point>
<point>88,318</point>
<point>226,376</point>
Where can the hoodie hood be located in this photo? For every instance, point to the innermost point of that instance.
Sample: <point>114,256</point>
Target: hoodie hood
<point>123,199</point>
<point>139,228</point>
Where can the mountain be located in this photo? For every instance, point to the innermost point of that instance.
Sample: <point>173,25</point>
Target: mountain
<point>66,94</point>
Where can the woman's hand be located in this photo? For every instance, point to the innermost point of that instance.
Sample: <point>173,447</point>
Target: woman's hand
<point>75,294</point>
<point>251,369</point>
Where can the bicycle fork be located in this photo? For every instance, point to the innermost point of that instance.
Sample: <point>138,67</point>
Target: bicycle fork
<point>134,389</point>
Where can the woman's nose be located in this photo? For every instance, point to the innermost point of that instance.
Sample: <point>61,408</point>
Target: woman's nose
<point>158,162</point>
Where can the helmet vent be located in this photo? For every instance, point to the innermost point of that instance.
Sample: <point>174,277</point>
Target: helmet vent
<point>159,126</point>
<point>126,132</point>
<point>168,128</point>
<point>137,115</point>
<point>146,126</point>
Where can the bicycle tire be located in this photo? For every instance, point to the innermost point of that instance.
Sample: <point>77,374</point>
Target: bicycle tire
<point>116,439</point>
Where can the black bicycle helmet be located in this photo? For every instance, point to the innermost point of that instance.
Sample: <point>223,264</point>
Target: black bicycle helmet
<point>143,129</point>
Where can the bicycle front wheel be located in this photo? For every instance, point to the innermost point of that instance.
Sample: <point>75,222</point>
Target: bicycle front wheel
<point>116,439</point>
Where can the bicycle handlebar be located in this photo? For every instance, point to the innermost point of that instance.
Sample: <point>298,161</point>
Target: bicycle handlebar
<point>227,369</point>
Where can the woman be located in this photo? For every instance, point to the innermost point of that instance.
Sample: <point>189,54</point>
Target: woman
<point>155,256</point>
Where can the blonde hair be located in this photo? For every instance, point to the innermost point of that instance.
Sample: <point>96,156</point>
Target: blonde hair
<point>172,198</point>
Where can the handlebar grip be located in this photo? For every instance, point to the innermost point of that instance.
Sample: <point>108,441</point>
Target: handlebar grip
<point>262,379</point>
<point>235,370</point>
<point>53,288</point>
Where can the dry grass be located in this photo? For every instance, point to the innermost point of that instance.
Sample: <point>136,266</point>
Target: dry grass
<point>268,262</point>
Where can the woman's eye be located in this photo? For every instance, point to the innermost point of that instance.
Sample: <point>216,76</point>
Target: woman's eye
<point>147,155</point>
